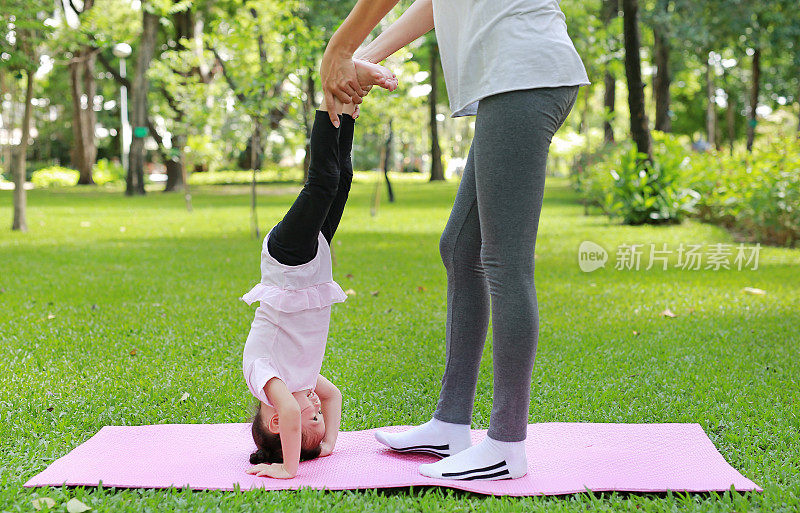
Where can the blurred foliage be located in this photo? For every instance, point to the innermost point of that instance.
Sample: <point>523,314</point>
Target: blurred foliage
<point>106,171</point>
<point>757,195</point>
<point>627,186</point>
<point>55,176</point>
<point>272,174</point>
<point>225,69</point>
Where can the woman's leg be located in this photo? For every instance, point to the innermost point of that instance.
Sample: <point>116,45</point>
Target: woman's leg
<point>294,239</point>
<point>512,136</point>
<point>467,303</point>
<point>467,323</point>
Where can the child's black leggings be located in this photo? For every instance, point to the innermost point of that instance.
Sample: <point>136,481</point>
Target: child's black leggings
<point>319,206</point>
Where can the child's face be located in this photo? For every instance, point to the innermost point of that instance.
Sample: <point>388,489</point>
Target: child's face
<point>311,419</point>
<point>311,414</point>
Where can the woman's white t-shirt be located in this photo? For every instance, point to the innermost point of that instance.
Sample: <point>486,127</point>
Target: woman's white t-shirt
<point>493,46</point>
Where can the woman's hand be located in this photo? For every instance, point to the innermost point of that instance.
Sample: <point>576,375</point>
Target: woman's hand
<point>339,81</point>
<point>337,72</point>
<point>274,470</point>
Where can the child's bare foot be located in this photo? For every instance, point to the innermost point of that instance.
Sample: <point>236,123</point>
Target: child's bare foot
<point>370,74</point>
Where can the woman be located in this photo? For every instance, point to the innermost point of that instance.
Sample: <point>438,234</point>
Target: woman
<point>512,64</point>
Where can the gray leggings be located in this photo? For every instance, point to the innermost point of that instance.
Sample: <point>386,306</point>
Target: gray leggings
<point>487,248</point>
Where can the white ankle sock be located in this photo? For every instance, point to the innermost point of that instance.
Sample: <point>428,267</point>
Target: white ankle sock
<point>489,460</point>
<point>435,437</point>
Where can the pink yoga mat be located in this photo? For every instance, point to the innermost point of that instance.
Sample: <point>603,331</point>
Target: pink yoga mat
<point>562,457</point>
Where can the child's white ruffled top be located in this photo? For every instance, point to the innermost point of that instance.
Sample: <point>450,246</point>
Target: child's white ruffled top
<point>290,329</point>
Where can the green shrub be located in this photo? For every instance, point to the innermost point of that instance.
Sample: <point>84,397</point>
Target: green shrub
<point>637,191</point>
<point>54,176</point>
<point>228,177</point>
<point>590,178</point>
<point>105,171</point>
<point>756,195</point>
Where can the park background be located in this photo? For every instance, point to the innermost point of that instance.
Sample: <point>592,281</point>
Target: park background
<point>126,245</point>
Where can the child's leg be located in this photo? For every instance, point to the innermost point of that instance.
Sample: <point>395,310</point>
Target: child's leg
<point>294,239</point>
<point>345,177</point>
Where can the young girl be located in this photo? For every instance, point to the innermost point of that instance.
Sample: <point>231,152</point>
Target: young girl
<point>299,411</point>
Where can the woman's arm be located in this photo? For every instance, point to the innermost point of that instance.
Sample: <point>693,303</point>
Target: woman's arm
<point>289,422</point>
<point>337,72</point>
<point>412,24</point>
<point>331,400</point>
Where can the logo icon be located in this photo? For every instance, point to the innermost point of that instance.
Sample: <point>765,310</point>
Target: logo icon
<point>591,256</point>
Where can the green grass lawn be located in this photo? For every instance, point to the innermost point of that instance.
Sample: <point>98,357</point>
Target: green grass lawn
<point>111,308</point>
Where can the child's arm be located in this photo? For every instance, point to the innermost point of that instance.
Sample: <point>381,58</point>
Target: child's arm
<point>331,400</point>
<point>289,419</point>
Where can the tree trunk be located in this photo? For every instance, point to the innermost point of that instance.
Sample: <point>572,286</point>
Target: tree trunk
<point>711,104</point>
<point>609,101</point>
<point>140,86</point>
<point>730,115</point>
<point>184,29</point>
<point>84,119</point>
<point>754,91</point>
<point>584,123</point>
<point>662,80</point>
<point>609,12</point>
<point>8,122</point>
<point>174,163</point>
<point>387,154</point>
<point>640,132</point>
<point>253,193</point>
<point>437,169</point>
<point>20,221</point>
<point>308,112</point>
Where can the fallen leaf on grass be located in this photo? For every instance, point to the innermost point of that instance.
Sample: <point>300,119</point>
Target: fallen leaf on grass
<point>133,352</point>
<point>754,291</point>
<point>43,502</point>
<point>76,506</point>
<point>667,313</point>
<point>184,397</point>
<point>350,292</point>
<point>420,289</point>
<point>349,276</point>
<point>375,292</point>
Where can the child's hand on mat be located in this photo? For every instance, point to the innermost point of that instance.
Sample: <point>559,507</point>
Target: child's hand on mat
<point>327,449</point>
<point>274,470</point>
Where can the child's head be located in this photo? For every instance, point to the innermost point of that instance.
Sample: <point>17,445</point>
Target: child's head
<point>266,431</point>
